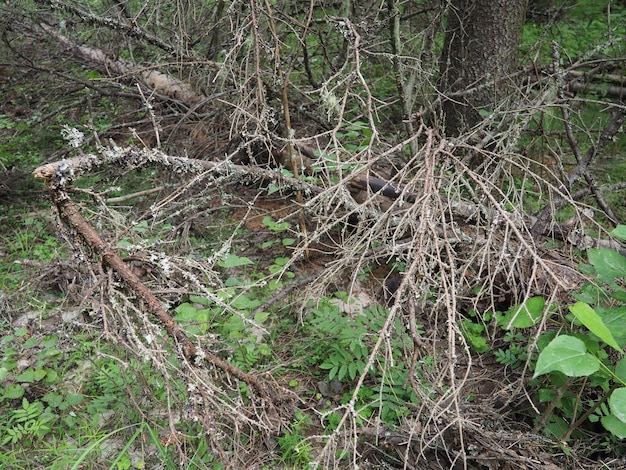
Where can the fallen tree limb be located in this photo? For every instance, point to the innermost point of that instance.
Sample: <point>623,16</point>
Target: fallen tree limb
<point>544,216</point>
<point>61,173</point>
<point>133,30</point>
<point>158,81</point>
<point>58,175</point>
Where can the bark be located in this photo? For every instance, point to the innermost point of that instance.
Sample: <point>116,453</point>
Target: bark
<point>152,78</point>
<point>478,59</point>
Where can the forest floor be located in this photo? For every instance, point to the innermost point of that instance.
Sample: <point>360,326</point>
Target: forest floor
<point>82,389</point>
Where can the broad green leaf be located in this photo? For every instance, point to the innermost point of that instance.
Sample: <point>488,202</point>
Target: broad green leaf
<point>275,226</point>
<point>524,315</point>
<point>615,320</point>
<point>617,403</point>
<point>244,302</point>
<point>594,323</point>
<point>22,331</point>
<point>196,299</point>
<point>614,426</point>
<point>590,294</point>
<point>568,355</point>
<point>586,269</point>
<point>619,295</point>
<point>260,317</point>
<point>620,370</point>
<point>230,282</point>
<point>13,391</point>
<point>27,376</point>
<point>74,399</point>
<point>31,343</point>
<point>609,264</point>
<point>185,311</point>
<point>556,427</point>
<point>232,261</point>
<point>619,232</point>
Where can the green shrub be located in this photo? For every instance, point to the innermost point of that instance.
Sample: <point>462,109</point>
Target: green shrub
<point>591,349</point>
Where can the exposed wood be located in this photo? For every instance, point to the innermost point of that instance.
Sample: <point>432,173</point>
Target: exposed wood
<point>158,81</point>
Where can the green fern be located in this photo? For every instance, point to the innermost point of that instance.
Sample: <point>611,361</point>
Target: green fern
<point>25,422</point>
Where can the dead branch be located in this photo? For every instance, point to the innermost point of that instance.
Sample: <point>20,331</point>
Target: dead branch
<point>56,177</point>
<point>158,81</point>
<point>132,30</point>
<point>63,172</point>
<point>544,216</point>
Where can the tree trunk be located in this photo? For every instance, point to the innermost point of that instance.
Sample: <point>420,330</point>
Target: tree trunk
<point>479,55</point>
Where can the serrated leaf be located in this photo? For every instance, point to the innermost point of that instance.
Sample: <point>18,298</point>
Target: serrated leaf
<point>568,355</point>
<point>31,343</point>
<point>22,331</point>
<point>617,403</point>
<point>594,323</point>
<point>13,391</point>
<point>74,399</point>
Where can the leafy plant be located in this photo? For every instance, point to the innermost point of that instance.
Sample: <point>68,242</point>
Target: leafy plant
<point>277,227</point>
<point>293,446</point>
<point>601,310</point>
<point>27,421</point>
<point>474,333</point>
<point>239,338</point>
<point>343,347</point>
<point>346,354</point>
<point>517,352</point>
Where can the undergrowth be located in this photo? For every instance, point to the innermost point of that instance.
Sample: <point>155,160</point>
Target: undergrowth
<point>88,378</point>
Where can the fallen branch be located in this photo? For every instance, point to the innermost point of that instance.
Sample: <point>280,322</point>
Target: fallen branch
<point>545,215</point>
<point>158,81</point>
<point>56,177</point>
<point>63,172</point>
<point>132,29</point>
